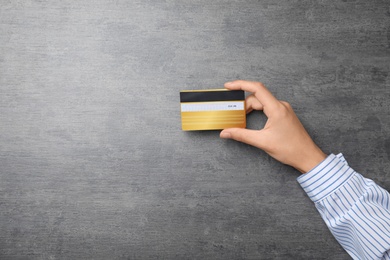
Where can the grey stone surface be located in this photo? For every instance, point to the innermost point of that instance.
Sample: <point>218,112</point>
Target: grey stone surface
<point>93,164</point>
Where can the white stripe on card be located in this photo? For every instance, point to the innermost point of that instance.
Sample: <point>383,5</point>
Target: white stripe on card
<point>212,106</point>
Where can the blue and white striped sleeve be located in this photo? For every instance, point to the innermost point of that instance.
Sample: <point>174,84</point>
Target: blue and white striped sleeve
<point>356,210</point>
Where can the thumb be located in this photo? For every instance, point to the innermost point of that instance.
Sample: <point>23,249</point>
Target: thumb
<point>251,137</point>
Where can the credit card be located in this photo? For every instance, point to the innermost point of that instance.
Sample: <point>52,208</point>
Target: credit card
<point>212,109</point>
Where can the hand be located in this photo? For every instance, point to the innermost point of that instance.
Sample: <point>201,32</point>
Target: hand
<point>283,136</point>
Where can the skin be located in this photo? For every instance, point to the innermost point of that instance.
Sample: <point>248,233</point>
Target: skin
<point>283,136</point>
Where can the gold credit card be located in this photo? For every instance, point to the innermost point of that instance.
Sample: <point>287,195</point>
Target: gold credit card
<point>212,109</point>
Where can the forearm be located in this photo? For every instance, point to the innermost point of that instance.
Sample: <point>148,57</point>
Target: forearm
<point>356,210</point>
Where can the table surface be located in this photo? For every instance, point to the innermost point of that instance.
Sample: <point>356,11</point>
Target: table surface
<point>93,162</point>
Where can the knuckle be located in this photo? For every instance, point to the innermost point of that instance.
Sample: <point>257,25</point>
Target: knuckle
<point>239,136</point>
<point>284,109</point>
<point>286,104</point>
<point>259,84</point>
<point>257,106</point>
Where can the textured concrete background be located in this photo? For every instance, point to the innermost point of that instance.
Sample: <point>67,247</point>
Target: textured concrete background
<point>94,164</point>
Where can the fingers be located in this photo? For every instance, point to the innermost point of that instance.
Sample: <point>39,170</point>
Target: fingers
<point>252,103</point>
<point>251,137</point>
<point>259,91</point>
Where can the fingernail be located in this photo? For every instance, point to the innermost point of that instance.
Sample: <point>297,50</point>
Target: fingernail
<point>228,83</point>
<point>226,135</point>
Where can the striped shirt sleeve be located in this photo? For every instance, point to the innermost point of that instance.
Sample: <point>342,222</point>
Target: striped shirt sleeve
<point>355,209</point>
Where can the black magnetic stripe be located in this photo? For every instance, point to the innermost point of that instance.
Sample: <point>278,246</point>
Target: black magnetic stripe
<point>212,96</point>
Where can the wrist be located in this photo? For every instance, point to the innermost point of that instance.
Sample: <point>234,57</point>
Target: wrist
<point>311,160</point>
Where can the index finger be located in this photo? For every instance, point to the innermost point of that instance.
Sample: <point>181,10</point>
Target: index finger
<point>258,89</point>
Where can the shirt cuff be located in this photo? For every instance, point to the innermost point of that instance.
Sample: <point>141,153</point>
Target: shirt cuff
<point>326,177</point>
